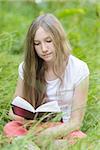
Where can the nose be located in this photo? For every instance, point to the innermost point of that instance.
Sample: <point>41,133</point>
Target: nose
<point>44,48</point>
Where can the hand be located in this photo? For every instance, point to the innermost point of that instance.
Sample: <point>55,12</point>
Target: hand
<point>29,123</point>
<point>15,117</point>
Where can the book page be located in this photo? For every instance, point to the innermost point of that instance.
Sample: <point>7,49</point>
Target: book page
<point>49,107</point>
<point>22,103</point>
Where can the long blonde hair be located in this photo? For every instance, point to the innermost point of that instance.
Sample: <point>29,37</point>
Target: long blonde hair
<point>34,67</point>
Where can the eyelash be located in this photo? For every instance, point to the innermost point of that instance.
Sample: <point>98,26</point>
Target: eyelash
<point>48,41</point>
<point>36,43</point>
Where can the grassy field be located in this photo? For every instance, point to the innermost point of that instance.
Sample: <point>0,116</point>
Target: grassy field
<point>81,20</point>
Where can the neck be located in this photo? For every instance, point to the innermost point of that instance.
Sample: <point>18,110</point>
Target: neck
<point>50,74</point>
<point>49,66</point>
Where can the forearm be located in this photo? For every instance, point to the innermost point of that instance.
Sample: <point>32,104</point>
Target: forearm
<point>61,130</point>
<point>27,123</point>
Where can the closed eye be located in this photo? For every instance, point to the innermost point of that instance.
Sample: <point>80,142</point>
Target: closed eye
<point>48,41</point>
<point>36,43</point>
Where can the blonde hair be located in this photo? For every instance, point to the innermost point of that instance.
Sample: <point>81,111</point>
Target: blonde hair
<point>34,67</point>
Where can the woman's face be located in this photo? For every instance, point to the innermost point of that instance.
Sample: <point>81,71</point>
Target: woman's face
<point>44,46</point>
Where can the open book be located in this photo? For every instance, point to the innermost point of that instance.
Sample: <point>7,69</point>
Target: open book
<point>24,109</point>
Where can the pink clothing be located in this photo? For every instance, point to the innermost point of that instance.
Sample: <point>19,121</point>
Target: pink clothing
<point>15,128</point>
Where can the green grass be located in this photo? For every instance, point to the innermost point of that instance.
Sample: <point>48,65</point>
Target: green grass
<point>81,21</point>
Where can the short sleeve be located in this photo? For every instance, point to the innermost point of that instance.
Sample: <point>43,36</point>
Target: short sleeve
<point>20,71</point>
<point>81,73</point>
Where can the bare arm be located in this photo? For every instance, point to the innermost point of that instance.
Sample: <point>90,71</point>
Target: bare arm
<point>18,92</point>
<point>78,111</point>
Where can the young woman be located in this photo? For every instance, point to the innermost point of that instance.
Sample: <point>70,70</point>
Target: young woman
<point>50,72</point>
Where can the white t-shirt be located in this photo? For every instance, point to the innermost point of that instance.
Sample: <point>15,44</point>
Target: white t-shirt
<point>76,71</point>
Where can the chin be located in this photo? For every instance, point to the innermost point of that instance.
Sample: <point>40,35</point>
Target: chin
<point>48,59</point>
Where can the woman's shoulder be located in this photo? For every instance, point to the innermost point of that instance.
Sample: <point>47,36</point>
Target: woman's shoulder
<point>75,64</point>
<point>75,61</point>
<point>21,64</point>
<point>20,69</point>
<point>77,69</point>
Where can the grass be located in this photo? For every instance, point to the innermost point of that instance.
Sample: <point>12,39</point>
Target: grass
<point>81,21</point>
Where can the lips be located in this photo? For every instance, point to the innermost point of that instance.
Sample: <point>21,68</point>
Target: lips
<point>47,54</point>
